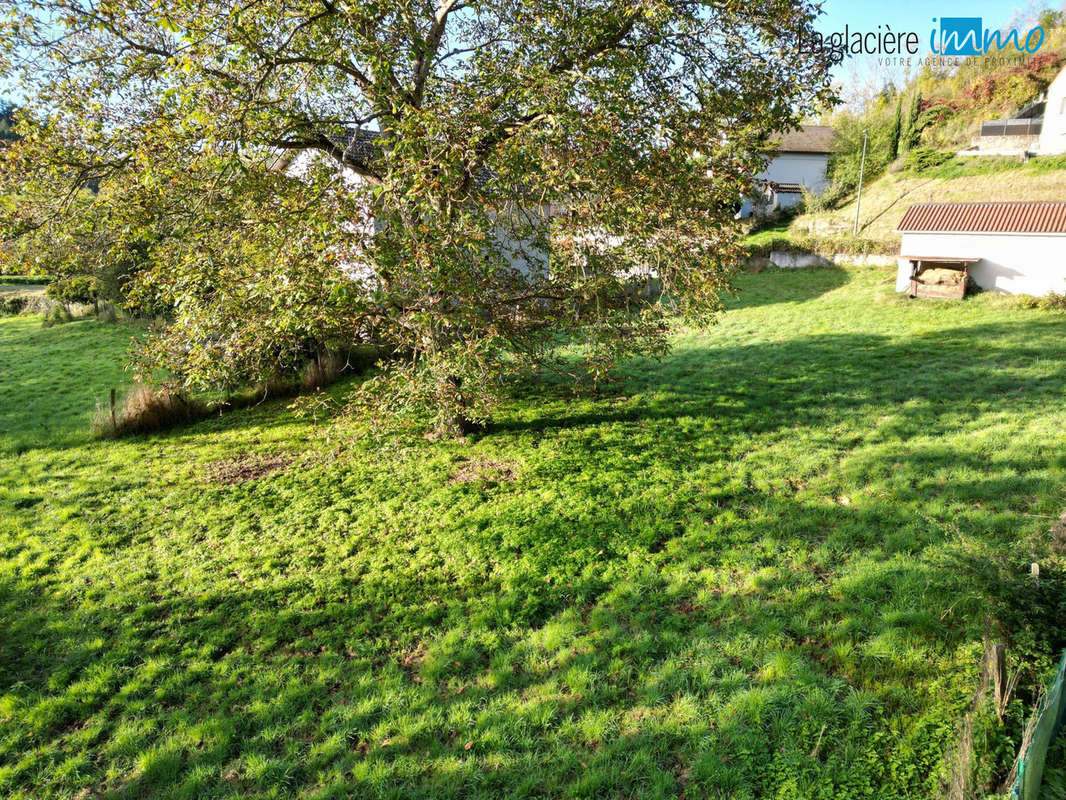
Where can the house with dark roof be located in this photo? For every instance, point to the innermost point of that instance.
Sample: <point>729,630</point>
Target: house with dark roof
<point>800,162</point>
<point>1009,247</point>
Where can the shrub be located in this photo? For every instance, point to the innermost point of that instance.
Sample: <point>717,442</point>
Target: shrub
<point>935,115</point>
<point>58,314</point>
<point>1053,301</point>
<point>25,280</point>
<point>11,305</point>
<point>920,159</point>
<point>823,245</point>
<point>75,289</point>
<point>145,409</point>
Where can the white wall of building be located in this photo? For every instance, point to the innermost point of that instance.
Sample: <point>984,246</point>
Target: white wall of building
<point>524,254</point>
<point>1010,263</point>
<point>1053,134</point>
<point>807,169</point>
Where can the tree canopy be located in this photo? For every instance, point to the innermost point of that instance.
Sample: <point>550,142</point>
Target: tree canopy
<point>460,126</point>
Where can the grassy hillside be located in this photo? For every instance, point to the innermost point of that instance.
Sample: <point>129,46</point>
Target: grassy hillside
<point>885,199</point>
<point>762,567</point>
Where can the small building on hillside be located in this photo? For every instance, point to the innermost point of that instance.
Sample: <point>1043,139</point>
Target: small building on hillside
<point>800,162</point>
<point>1038,128</point>
<point>1011,247</point>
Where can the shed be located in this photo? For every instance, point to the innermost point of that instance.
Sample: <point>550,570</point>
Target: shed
<point>1008,247</point>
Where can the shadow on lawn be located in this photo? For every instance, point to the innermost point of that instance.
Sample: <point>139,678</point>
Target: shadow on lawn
<point>789,286</point>
<point>831,377</point>
<point>667,683</point>
<point>730,635</point>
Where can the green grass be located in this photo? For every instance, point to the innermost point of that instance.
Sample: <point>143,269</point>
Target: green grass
<point>52,379</point>
<point>762,567</point>
<point>766,236</point>
<point>965,166</point>
<point>1053,784</point>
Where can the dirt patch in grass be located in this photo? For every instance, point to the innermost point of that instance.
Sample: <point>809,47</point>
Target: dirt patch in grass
<point>485,470</point>
<point>412,661</point>
<point>229,471</point>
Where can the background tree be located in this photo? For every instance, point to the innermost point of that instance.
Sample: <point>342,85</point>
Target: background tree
<point>912,130</point>
<point>896,131</point>
<point>637,124</point>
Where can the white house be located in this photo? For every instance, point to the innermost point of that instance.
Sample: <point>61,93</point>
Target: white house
<point>1053,134</point>
<point>800,162</point>
<point>519,237</point>
<point>1012,248</point>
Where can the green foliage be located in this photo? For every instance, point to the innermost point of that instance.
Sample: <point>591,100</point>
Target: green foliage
<point>1053,786</point>
<point>763,566</point>
<point>912,130</point>
<point>934,115</point>
<point>24,280</point>
<point>920,159</point>
<point>781,239</point>
<point>1053,301</point>
<point>75,289</point>
<point>7,121</point>
<point>846,163</point>
<point>11,304</point>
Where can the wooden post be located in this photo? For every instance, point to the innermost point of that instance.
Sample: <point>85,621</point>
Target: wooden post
<point>997,657</point>
<point>113,425</point>
<point>1034,570</point>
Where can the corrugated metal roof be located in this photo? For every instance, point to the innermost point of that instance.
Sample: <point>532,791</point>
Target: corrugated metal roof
<point>808,139</point>
<point>1022,216</point>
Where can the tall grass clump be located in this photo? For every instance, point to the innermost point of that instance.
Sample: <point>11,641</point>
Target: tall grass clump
<point>321,371</point>
<point>57,314</point>
<point>145,409</point>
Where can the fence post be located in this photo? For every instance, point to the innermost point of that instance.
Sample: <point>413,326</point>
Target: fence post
<point>998,665</point>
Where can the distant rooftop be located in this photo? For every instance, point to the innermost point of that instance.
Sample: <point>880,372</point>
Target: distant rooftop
<point>1023,216</point>
<point>809,139</point>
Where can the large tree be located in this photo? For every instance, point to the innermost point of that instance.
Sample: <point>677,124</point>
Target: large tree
<point>638,124</point>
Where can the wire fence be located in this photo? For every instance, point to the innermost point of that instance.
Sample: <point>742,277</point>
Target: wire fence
<point>1049,720</point>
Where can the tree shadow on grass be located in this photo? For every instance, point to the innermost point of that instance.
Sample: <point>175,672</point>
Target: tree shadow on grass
<point>763,387</point>
<point>781,285</point>
<point>722,669</point>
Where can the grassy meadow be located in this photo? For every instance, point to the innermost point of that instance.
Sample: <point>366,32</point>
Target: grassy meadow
<point>765,566</point>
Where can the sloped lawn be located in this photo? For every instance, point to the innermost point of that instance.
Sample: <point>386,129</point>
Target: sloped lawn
<point>763,567</point>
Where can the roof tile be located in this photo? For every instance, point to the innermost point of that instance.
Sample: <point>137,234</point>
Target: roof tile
<point>1023,216</point>
<point>809,139</point>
